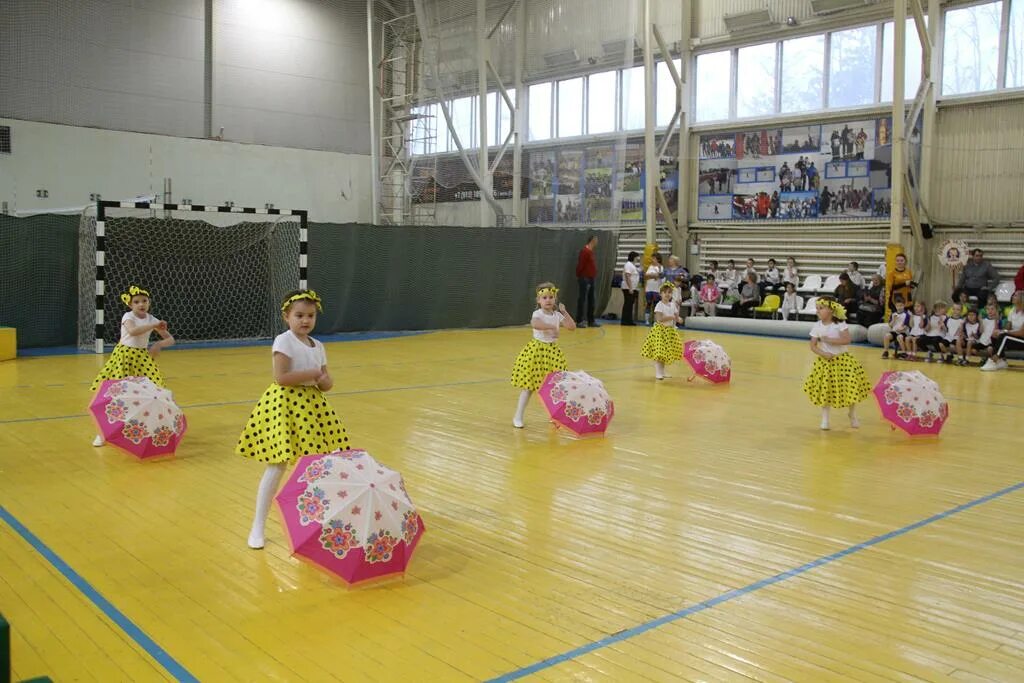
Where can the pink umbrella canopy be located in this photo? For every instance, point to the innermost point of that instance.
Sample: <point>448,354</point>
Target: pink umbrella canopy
<point>138,416</point>
<point>577,401</point>
<point>912,402</point>
<point>350,515</point>
<point>708,360</point>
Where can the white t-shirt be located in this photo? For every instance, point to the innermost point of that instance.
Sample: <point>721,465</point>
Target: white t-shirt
<point>554,319</point>
<point>917,325</point>
<point>302,356</point>
<point>1016,320</point>
<point>988,326</point>
<point>138,341</point>
<point>791,301</point>
<point>824,332</point>
<point>972,330</point>
<point>669,309</point>
<point>856,277</point>
<point>791,275</point>
<point>953,326</point>
<point>934,328</point>
<point>772,276</point>
<point>654,284</point>
<point>899,321</point>
<point>630,276</point>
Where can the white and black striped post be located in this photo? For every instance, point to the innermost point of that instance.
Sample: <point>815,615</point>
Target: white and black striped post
<point>101,252</point>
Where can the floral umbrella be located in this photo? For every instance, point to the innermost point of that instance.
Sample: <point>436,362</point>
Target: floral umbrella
<point>577,401</point>
<point>708,360</point>
<point>138,416</point>
<point>912,402</point>
<point>347,513</point>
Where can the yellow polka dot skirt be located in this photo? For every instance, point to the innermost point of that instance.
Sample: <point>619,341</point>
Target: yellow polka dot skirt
<point>839,382</point>
<point>289,422</point>
<point>535,362</point>
<point>663,343</point>
<point>128,361</point>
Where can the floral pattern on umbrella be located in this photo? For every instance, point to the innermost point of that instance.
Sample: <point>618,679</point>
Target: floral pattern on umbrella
<point>708,360</point>
<point>349,514</point>
<point>911,401</point>
<point>138,416</point>
<point>577,401</point>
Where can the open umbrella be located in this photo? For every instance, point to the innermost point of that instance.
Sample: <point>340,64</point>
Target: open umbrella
<point>708,360</point>
<point>577,401</point>
<point>912,402</point>
<point>138,416</point>
<point>347,513</point>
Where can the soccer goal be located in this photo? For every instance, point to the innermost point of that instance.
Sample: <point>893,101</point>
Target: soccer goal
<point>215,272</point>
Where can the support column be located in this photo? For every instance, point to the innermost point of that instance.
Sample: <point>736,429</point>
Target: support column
<point>928,119</point>
<point>683,103</point>
<point>482,48</point>
<point>518,207</point>
<point>899,167</point>
<point>651,165</point>
<point>375,142</point>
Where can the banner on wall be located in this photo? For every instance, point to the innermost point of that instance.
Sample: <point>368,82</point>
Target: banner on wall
<point>830,171</point>
<point>446,182</point>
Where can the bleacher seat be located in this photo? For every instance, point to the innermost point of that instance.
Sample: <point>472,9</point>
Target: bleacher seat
<point>812,283</point>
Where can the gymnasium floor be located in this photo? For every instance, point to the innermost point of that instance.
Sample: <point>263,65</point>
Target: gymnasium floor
<point>714,534</point>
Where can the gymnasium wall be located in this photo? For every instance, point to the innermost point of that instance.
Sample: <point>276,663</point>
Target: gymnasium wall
<point>71,162</point>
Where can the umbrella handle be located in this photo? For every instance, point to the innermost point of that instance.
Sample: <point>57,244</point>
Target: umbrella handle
<point>692,377</point>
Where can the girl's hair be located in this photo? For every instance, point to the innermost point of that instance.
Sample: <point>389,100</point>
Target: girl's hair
<point>771,260</point>
<point>713,263</point>
<point>546,285</point>
<point>921,304</point>
<point>898,299</point>
<point>844,277</point>
<point>790,284</point>
<point>299,295</point>
<point>973,310</point>
<point>631,255</point>
<point>656,257</point>
<point>939,304</point>
<point>666,285</point>
<point>790,258</point>
<point>732,262</point>
<point>838,312</point>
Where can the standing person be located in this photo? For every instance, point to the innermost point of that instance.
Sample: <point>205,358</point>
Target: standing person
<point>979,277</point>
<point>902,279</point>
<point>653,277</point>
<point>663,344</point>
<point>541,355</point>
<point>293,417</point>
<point>630,281</point>
<point>837,379</point>
<point>132,355</point>
<point>860,141</point>
<point>586,272</point>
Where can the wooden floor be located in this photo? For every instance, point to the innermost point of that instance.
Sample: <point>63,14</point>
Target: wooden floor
<point>714,534</point>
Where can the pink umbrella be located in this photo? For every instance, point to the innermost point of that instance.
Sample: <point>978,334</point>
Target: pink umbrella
<point>350,515</point>
<point>138,416</point>
<point>577,401</point>
<point>912,402</point>
<point>708,360</point>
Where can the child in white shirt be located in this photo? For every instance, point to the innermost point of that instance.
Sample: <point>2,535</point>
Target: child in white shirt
<point>541,355</point>
<point>934,339</point>
<point>663,344</point>
<point>917,323</point>
<point>791,302</point>
<point>838,379</point>
<point>899,326</point>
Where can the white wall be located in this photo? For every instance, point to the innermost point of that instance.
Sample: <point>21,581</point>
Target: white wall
<point>72,162</point>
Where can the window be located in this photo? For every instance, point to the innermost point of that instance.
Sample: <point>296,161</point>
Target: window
<point>504,116</point>
<point>912,70</point>
<point>1015,46</point>
<point>463,112</point>
<point>970,54</point>
<point>570,107</point>
<point>852,67</point>
<point>755,80</point>
<point>601,103</point>
<point>633,98</point>
<point>540,111</point>
<point>492,117</point>
<point>665,89</point>
<point>803,69</point>
<point>712,87</point>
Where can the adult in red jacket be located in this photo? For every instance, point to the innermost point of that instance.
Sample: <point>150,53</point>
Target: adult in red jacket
<point>1018,281</point>
<point>586,273</point>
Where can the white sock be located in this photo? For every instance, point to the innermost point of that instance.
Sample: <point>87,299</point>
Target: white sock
<point>264,497</point>
<point>854,422</point>
<point>824,417</point>
<point>524,398</point>
<point>659,369</point>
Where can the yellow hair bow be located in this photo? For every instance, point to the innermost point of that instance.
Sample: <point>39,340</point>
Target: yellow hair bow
<point>553,291</point>
<point>132,292</point>
<point>308,295</point>
<point>667,285</point>
<point>838,310</point>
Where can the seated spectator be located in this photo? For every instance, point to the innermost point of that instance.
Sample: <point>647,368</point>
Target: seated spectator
<point>791,274</point>
<point>847,293</point>
<point>791,303</point>
<point>709,295</point>
<point>978,277</point>
<point>772,281</point>
<point>870,310</point>
<point>750,297</point>
<point>1009,339</point>
<point>856,277</point>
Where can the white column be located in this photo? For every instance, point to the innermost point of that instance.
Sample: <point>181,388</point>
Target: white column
<point>651,165</point>
<point>482,45</point>
<point>374,139</point>
<point>899,166</point>
<point>518,206</point>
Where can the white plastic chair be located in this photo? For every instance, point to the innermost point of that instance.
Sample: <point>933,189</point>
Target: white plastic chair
<point>777,315</point>
<point>810,309</point>
<point>1004,291</point>
<point>831,282</point>
<point>812,283</point>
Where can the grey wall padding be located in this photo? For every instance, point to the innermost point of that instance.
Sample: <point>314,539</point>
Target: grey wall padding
<point>39,278</point>
<point>426,278</point>
<point>771,328</point>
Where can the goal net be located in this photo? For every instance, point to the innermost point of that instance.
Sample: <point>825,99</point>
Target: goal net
<point>214,273</point>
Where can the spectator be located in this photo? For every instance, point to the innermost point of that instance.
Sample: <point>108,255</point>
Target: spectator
<point>847,294</point>
<point>978,277</point>
<point>856,277</point>
<point>790,273</point>
<point>902,279</point>
<point>709,296</point>
<point>586,271</point>
<point>772,278</point>
<point>750,296</point>
<point>1018,281</point>
<point>654,276</point>
<point>870,310</point>
<point>791,303</point>
<point>630,282</point>
<point>675,272</point>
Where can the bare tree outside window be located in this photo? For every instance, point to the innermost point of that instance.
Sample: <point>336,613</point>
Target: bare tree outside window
<point>755,81</point>
<point>970,55</point>
<point>852,68</point>
<point>803,69</point>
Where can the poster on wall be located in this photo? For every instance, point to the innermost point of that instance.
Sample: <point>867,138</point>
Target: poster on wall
<point>629,183</point>
<point>832,171</point>
<point>568,205</point>
<point>598,184</point>
<point>446,179</point>
<point>541,204</point>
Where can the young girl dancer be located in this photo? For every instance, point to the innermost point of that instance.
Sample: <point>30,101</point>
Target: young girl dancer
<point>293,417</point>
<point>541,354</point>
<point>131,357</point>
<point>837,380</point>
<point>663,344</point>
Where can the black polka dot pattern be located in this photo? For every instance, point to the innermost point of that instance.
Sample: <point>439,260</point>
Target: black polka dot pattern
<point>839,382</point>
<point>289,422</point>
<point>128,361</point>
<point>535,362</point>
<point>662,343</point>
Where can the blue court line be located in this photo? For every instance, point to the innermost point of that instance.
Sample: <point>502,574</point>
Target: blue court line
<point>172,666</point>
<point>740,592</point>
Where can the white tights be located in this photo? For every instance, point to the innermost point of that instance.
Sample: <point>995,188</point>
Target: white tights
<point>264,497</point>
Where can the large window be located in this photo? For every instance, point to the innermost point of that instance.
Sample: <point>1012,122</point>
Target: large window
<point>755,80</point>
<point>463,113</point>
<point>504,116</point>
<point>970,55</point>
<point>570,107</point>
<point>633,98</point>
<point>540,111</point>
<point>852,67</point>
<point>912,67</point>
<point>713,88</point>
<point>803,73</point>
<point>665,89</point>
<point>1015,46</point>
<point>601,101</point>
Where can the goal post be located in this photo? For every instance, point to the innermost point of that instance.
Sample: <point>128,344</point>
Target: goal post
<point>215,272</point>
